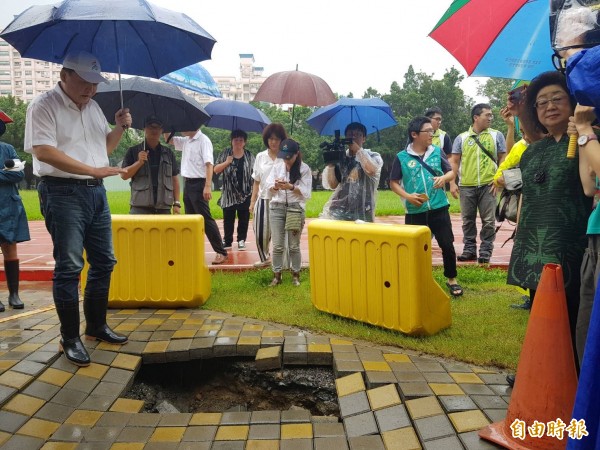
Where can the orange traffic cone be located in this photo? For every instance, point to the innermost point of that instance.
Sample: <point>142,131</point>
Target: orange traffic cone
<point>546,380</point>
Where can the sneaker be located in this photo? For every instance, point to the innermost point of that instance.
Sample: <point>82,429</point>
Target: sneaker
<point>527,303</point>
<point>226,245</point>
<point>219,259</point>
<point>467,257</point>
<point>262,264</point>
<point>241,245</point>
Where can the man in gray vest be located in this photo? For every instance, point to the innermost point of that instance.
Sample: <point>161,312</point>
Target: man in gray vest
<point>153,171</point>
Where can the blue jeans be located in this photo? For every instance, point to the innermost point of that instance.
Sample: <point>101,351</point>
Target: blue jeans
<point>277,216</point>
<point>77,218</point>
<point>473,199</point>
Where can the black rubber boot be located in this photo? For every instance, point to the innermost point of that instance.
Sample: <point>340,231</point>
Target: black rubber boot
<point>11,269</point>
<point>2,308</point>
<point>71,344</point>
<point>94,309</point>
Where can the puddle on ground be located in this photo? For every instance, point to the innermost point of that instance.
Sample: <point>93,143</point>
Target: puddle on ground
<point>220,385</point>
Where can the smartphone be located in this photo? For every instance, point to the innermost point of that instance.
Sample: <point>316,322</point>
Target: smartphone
<point>517,95</point>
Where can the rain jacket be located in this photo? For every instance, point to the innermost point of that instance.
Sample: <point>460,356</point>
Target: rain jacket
<point>13,219</point>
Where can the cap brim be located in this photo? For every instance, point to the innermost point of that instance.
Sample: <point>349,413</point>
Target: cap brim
<point>285,155</point>
<point>153,122</point>
<point>91,77</point>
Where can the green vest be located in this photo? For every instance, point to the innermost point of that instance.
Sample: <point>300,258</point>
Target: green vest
<point>438,138</point>
<point>476,168</point>
<point>417,179</point>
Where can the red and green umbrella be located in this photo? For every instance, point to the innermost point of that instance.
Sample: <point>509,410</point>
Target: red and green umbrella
<point>498,38</point>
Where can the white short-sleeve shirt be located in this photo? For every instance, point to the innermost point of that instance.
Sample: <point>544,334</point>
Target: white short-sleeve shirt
<point>54,119</point>
<point>197,152</point>
<point>263,164</point>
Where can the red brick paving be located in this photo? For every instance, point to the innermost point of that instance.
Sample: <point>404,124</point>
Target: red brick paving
<point>37,261</point>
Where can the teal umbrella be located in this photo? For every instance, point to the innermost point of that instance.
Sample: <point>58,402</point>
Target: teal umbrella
<point>195,78</point>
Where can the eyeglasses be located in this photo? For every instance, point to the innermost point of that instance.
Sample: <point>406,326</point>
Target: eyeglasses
<point>487,115</point>
<point>427,131</point>
<point>437,119</point>
<point>556,101</point>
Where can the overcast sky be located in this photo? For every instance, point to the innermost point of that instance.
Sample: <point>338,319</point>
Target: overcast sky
<point>351,44</point>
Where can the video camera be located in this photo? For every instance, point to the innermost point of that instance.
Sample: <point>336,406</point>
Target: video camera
<point>335,151</point>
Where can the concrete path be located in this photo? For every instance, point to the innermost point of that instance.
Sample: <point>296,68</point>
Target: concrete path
<point>389,398</point>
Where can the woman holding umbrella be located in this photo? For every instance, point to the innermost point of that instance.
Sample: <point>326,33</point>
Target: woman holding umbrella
<point>273,134</point>
<point>236,164</point>
<point>290,184</point>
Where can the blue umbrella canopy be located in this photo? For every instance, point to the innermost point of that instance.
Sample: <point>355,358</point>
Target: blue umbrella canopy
<point>234,115</point>
<point>145,97</point>
<point>195,78</point>
<point>373,113</point>
<point>132,37</point>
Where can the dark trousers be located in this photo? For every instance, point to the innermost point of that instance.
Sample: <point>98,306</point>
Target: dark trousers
<point>243,214</point>
<point>193,200</point>
<point>440,225</point>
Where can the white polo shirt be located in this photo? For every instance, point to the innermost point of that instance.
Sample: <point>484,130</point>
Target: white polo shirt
<point>197,152</point>
<point>54,119</point>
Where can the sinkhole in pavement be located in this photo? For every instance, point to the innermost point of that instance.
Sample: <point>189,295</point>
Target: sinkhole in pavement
<point>233,385</point>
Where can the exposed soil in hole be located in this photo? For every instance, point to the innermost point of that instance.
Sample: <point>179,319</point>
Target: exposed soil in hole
<point>233,385</point>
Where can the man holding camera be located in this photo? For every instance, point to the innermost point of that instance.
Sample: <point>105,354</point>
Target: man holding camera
<point>355,179</point>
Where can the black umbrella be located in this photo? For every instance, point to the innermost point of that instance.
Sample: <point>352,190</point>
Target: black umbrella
<point>145,97</point>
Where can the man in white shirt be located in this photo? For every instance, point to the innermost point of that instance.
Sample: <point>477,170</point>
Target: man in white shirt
<point>70,140</point>
<point>197,171</point>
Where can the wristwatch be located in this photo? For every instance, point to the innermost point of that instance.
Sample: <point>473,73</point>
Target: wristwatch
<point>177,204</point>
<point>584,139</point>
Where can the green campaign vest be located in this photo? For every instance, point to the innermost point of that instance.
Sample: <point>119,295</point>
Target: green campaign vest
<point>438,138</point>
<point>415,178</point>
<point>476,168</point>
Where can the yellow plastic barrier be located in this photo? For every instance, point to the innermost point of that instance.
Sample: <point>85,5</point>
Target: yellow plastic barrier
<point>377,273</point>
<point>160,262</point>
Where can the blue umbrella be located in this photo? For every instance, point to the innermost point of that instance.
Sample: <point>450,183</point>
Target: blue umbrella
<point>132,37</point>
<point>195,78</point>
<point>587,399</point>
<point>234,115</point>
<point>373,113</point>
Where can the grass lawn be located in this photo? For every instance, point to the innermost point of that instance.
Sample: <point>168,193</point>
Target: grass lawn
<point>388,204</point>
<point>484,331</point>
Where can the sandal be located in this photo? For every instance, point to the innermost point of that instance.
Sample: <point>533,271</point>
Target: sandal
<point>455,289</point>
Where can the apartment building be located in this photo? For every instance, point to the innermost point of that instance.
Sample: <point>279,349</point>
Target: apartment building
<point>242,87</point>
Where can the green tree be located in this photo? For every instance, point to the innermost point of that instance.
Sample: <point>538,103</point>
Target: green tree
<point>496,90</point>
<point>15,131</point>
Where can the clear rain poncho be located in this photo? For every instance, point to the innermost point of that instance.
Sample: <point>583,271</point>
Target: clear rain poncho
<point>576,24</point>
<point>355,194</point>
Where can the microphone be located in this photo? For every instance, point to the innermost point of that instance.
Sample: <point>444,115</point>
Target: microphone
<point>9,164</point>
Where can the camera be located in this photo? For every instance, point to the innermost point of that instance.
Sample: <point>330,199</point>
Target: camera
<point>335,151</point>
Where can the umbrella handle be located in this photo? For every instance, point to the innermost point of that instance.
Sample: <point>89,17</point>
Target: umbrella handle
<point>170,136</point>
